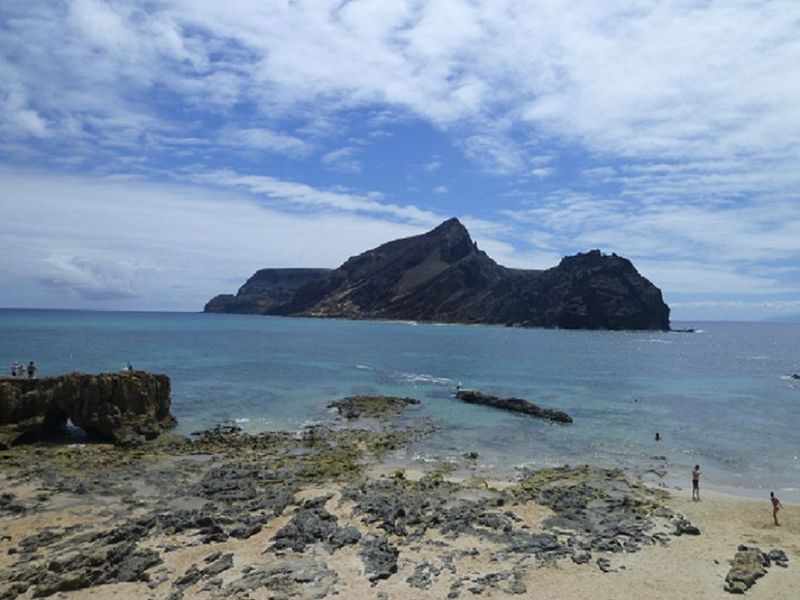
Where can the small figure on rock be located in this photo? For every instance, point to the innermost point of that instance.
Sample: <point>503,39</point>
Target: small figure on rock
<point>14,369</point>
<point>658,437</point>
<point>31,369</point>
<point>696,483</point>
<point>776,506</point>
<point>128,367</point>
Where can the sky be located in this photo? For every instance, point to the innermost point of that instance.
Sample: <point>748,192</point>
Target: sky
<point>156,153</point>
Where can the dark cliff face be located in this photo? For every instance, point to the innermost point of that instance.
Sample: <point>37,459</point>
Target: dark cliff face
<point>589,291</point>
<point>443,276</point>
<point>437,276</point>
<point>265,290</point>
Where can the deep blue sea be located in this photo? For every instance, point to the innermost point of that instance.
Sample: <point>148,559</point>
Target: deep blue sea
<point>720,397</point>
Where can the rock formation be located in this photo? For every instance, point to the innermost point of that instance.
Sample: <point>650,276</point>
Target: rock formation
<point>750,564</point>
<point>266,289</point>
<point>124,408</point>
<point>442,276</point>
<point>514,405</point>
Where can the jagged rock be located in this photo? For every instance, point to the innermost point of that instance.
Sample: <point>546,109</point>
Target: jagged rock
<point>442,276</point>
<point>605,565</point>
<point>125,408</point>
<point>312,524</point>
<point>379,558</point>
<point>264,290</point>
<point>354,407</point>
<point>288,579</point>
<point>778,557</point>
<point>684,527</point>
<point>748,565</point>
<point>423,576</point>
<point>513,405</point>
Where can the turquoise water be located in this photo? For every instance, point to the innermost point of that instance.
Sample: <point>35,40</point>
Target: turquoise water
<point>720,397</point>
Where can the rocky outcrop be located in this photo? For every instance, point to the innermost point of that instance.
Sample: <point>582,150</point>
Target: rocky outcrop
<point>514,405</point>
<point>265,290</point>
<point>356,407</point>
<point>124,408</point>
<point>442,276</point>
<point>750,564</point>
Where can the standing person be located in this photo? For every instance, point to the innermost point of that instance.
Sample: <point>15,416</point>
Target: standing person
<point>14,368</point>
<point>776,506</point>
<point>31,370</point>
<point>696,483</point>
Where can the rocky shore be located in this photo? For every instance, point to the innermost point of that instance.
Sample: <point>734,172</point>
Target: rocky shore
<point>225,514</point>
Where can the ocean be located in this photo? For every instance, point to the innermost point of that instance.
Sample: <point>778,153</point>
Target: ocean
<point>720,397</point>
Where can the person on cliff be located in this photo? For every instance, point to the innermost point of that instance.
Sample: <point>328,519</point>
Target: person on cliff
<point>696,483</point>
<point>14,369</point>
<point>776,506</point>
<point>31,370</point>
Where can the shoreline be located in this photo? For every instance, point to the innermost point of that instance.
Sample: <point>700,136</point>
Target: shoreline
<point>327,510</point>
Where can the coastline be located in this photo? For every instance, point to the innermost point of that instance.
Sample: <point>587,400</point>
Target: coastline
<point>280,515</point>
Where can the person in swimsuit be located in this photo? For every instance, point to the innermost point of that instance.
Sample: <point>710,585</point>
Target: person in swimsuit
<point>696,483</point>
<point>776,506</point>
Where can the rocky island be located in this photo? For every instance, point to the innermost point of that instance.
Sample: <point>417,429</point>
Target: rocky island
<point>442,276</point>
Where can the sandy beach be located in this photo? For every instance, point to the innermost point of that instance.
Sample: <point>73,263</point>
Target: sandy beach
<point>319,515</point>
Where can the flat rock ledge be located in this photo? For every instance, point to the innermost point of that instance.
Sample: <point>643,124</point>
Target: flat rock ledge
<point>356,407</point>
<point>125,408</point>
<point>514,405</point>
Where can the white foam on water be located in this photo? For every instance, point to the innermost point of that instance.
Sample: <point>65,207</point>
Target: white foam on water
<point>423,378</point>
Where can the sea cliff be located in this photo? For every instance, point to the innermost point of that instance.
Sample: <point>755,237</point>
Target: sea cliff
<point>124,408</point>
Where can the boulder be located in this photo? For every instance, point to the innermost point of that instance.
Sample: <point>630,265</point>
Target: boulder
<point>748,565</point>
<point>124,408</point>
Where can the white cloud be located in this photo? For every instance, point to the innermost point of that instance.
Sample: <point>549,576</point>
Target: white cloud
<point>440,189</point>
<point>685,81</point>
<point>134,244</point>
<point>687,110</point>
<point>258,138</point>
<point>343,160</point>
<point>302,195</point>
<point>542,172</point>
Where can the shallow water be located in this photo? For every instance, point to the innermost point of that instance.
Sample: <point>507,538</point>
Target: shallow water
<point>720,397</point>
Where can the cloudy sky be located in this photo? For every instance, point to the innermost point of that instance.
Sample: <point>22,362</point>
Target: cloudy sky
<point>154,153</point>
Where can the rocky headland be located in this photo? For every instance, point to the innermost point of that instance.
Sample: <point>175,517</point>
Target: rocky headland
<point>266,290</point>
<point>124,408</point>
<point>442,276</point>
